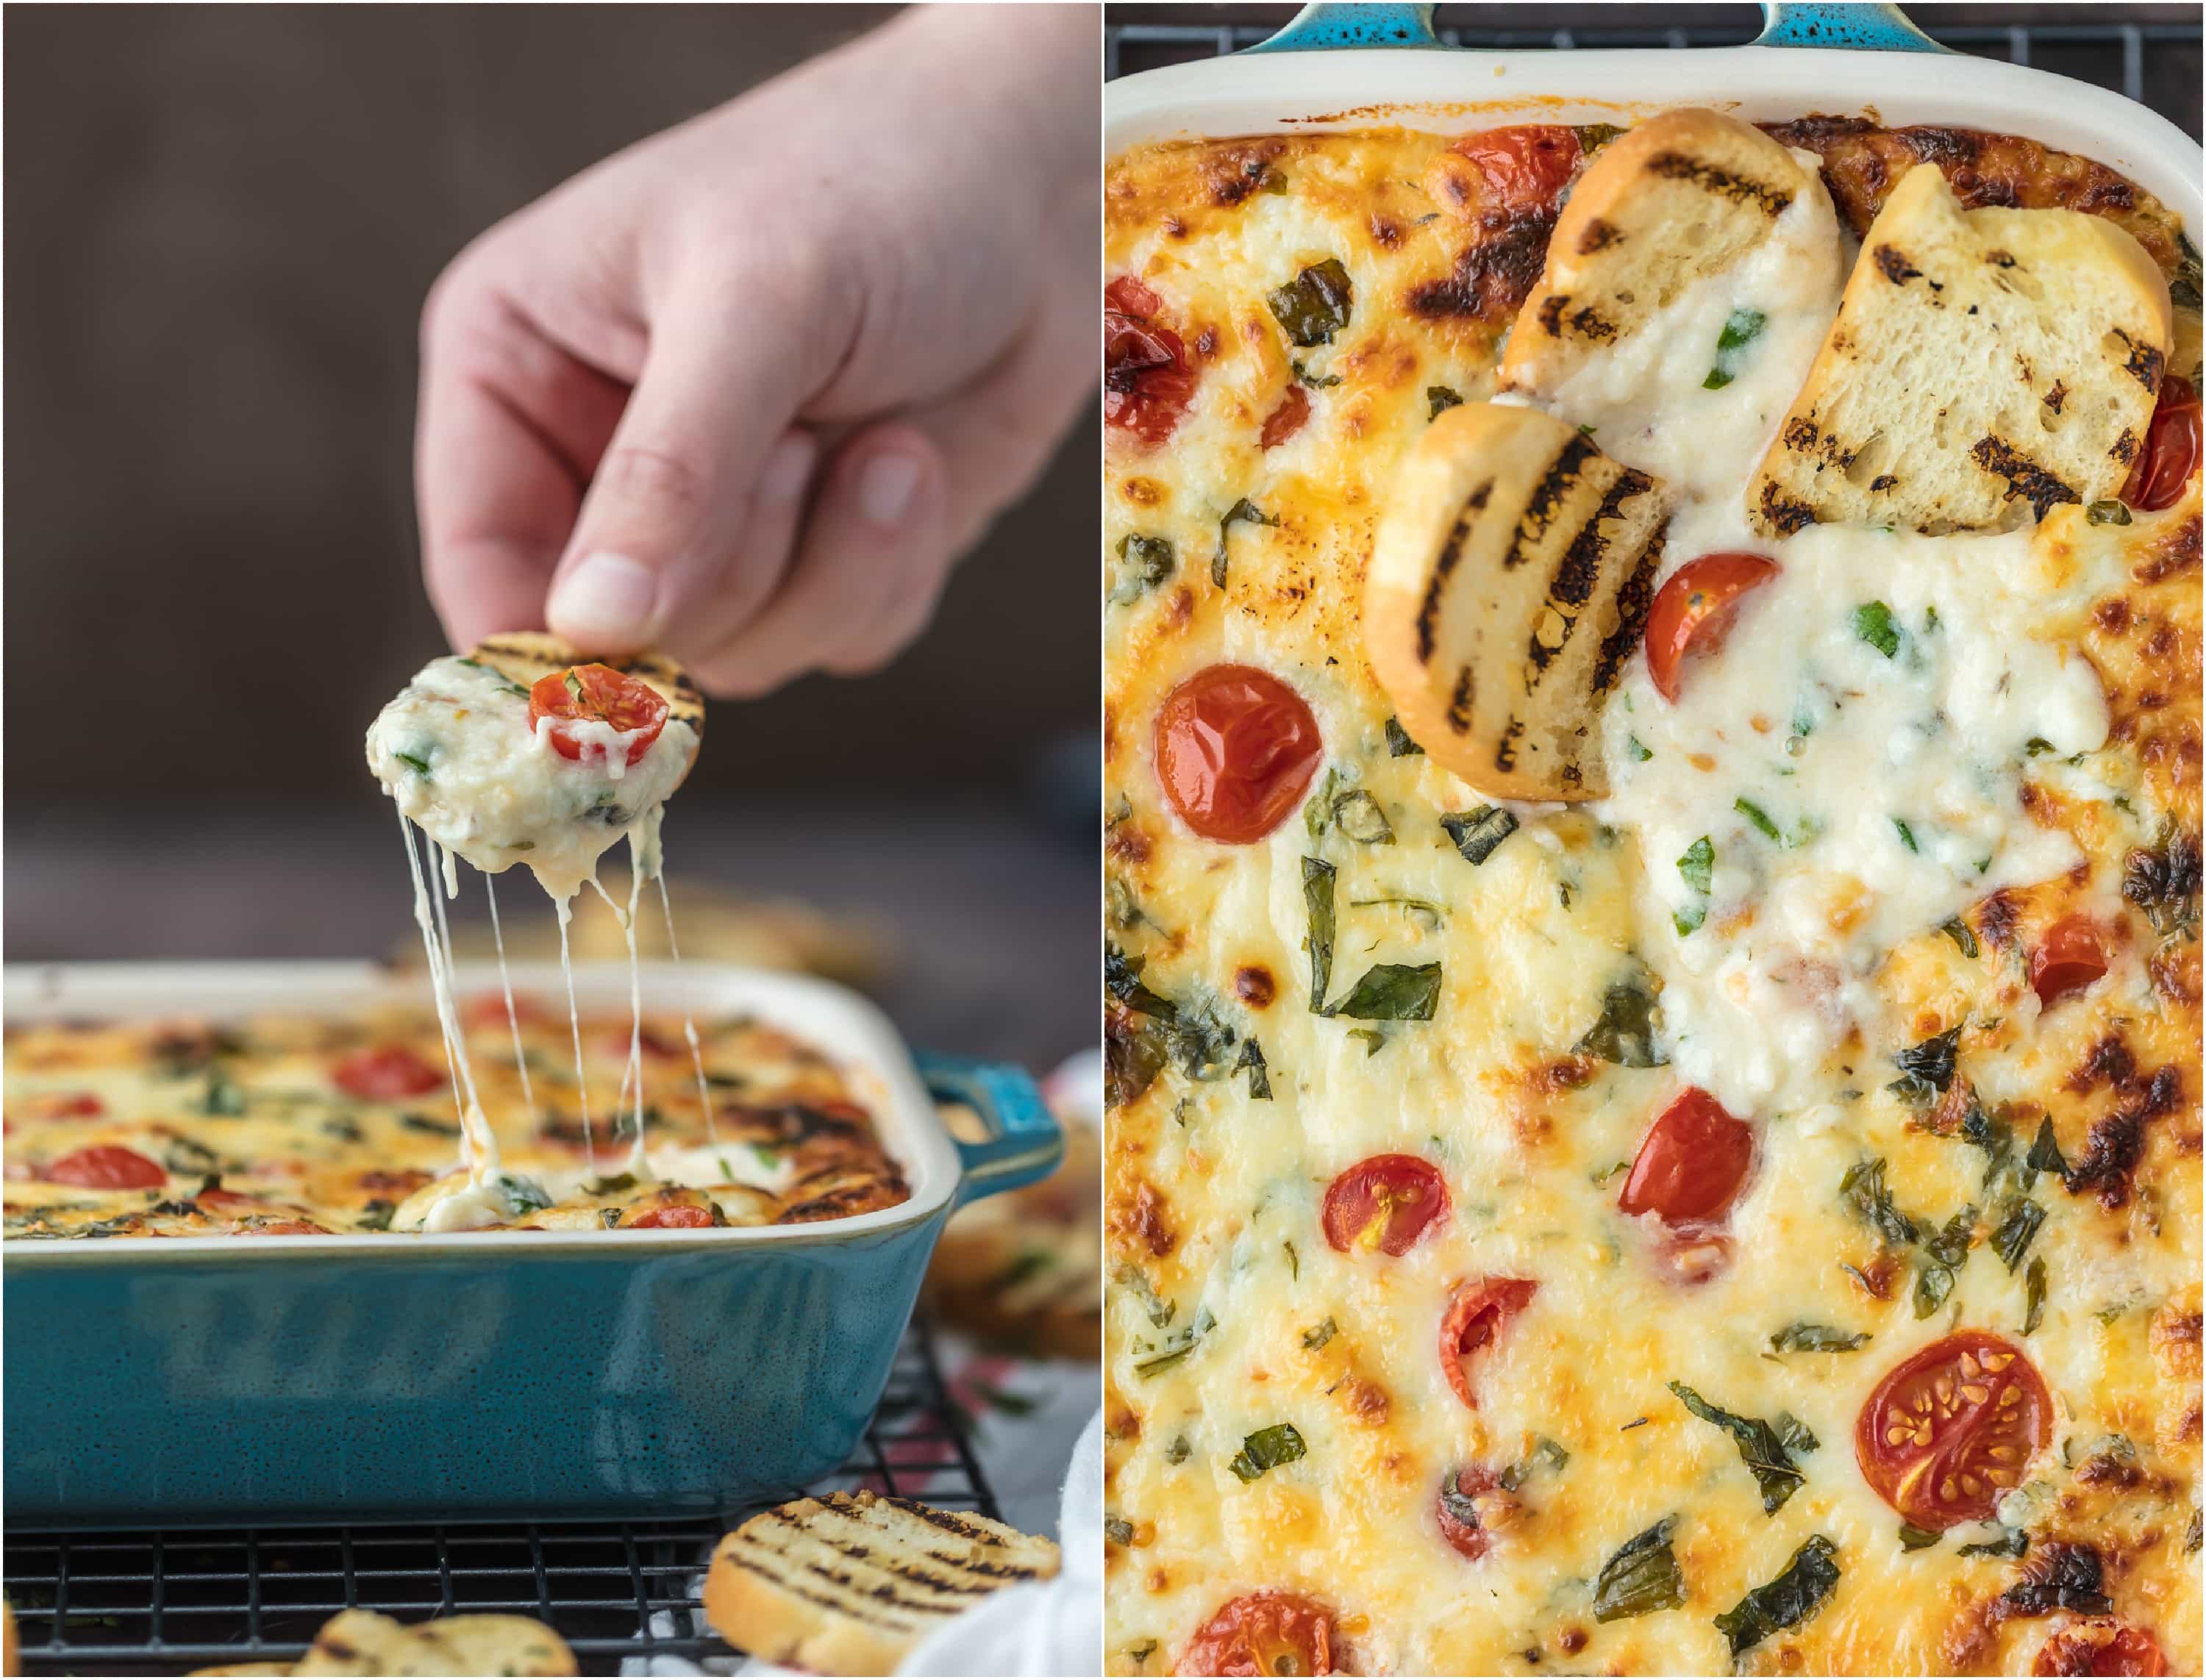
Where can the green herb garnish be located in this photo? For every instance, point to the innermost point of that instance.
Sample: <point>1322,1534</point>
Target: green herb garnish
<point>1317,899</point>
<point>1641,1577</point>
<point>1906,834</point>
<point>1266,1450</point>
<point>1439,400</point>
<point>1759,818</point>
<point>1392,992</point>
<point>1476,833</point>
<point>1624,1032</point>
<point>2109,512</point>
<point>1873,624</point>
<point>1759,1444</point>
<point>1315,305</point>
<point>1697,866</point>
<point>1740,330</point>
<point>1242,512</point>
<point>1260,1076</point>
<point>1790,1599</point>
<point>1398,744</point>
<point>1816,1339</point>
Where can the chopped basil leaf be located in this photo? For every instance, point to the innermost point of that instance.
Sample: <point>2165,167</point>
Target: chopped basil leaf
<point>1625,1033</point>
<point>1260,1076</point>
<point>1243,511</point>
<point>1360,817</point>
<point>1266,1450</point>
<point>1398,744</point>
<point>2033,1294</point>
<point>1759,818</point>
<point>1740,330</point>
<point>1927,1068</point>
<point>1392,992</point>
<point>1117,1531</point>
<point>185,1156</point>
<point>1315,381</point>
<point>574,684</point>
<point>1959,932</point>
<point>1317,897</point>
<point>1592,136</point>
<point>1944,1253</point>
<point>2192,1535</point>
<point>1759,1444</point>
<point>2073,1580</point>
<point>1906,834</point>
<point>2045,1154</point>
<point>1374,1039</point>
<point>1177,1348</point>
<point>1795,1595</point>
<point>1146,562</point>
<point>1476,833</point>
<point>1816,1339</point>
<point>2011,1242</point>
<point>2012,1543</point>
<point>523,1196</point>
<point>1180,1451</point>
<point>1873,624</point>
<point>1439,400</point>
<point>1546,1454</point>
<point>1122,978</point>
<point>1913,1538</point>
<point>1315,305</point>
<point>422,1122</point>
<point>1641,1577</point>
<point>1863,1190</point>
<point>376,1214</point>
<point>1688,920</point>
<point>1318,1335</point>
<point>1638,750</point>
<point>2109,512</point>
<point>420,766</point>
<point>1698,864</point>
<point>224,1095</point>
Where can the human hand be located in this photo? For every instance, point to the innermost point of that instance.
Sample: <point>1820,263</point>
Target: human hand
<point>746,390</point>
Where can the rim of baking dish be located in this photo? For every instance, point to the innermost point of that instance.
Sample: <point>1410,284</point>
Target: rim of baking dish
<point>867,1049</point>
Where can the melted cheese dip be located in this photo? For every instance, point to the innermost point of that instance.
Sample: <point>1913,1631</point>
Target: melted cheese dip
<point>456,751</point>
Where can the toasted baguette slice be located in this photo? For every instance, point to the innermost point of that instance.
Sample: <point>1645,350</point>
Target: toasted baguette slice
<point>524,656</point>
<point>1509,581</point>
<point>1683,196</point>
<point>848,1584</point>
<point>1986,365</point>
<point>357,1642</point>
<point>362,1642</point>
<point>241,1669</point>
<point>11,1656</point>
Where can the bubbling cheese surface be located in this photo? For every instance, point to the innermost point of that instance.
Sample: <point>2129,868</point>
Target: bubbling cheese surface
<point>456,751</point>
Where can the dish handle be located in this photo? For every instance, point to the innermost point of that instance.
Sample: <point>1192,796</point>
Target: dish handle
<point>1325,25</point>
<point>1025,1142</point>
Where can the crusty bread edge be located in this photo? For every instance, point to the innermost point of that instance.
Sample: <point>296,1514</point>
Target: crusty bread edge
<point>754,1615</point>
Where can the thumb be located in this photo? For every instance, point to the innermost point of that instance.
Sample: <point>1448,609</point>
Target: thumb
<point>660,537</point>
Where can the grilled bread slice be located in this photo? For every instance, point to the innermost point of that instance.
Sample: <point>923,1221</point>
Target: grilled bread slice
<point>1683,196</point>
<point>362,1642</point>
<point>850,1582</point>
<point>1986,365</point>
<point>1509,581</point>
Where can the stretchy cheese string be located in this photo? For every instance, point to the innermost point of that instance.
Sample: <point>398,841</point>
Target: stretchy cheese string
<point>688,1016</point>
<point>478,1145</point>
<point>512,1015</point>
<point>566,909</point>
<point>632,1071</point>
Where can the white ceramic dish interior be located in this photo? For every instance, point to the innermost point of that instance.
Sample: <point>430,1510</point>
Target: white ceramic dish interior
<point>1448,91</point>
<point>839,1023</point>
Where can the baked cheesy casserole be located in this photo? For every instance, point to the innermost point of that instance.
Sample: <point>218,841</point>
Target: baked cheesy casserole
<point>1652,889</point>
<point>283,1126</point>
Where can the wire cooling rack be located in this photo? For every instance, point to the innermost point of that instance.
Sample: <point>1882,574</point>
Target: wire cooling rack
<point>2140,51</point>
<point>164,1603</point>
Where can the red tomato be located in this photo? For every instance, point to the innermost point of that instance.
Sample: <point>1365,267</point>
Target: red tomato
<point>2170,454</point>
<point>1461,1524</point>
<point>1284,421</point>
<point>63,1105</point>
<point>1952,1428</point>
<point>671,1218</point>
<point>1692,1163</point>
<point>1236,748</point>
<point>1693,611</point>
<point>1262,1633</point>
<point>485,1012</point>
<point>106,1167</point>
<point>1385,1203</point>
<point>2105,1647</point>
<point>596,694</point>
<point>219,1199</point>
<point>386,1072</point>
<point>1524,168</point>
<point>1476,1317</point>
<point>1696,1255</point>
<point>1147,378</point>
<point>2072,955</point>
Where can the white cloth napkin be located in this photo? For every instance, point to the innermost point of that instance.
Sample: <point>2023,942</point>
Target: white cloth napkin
<point>1052,1626</point>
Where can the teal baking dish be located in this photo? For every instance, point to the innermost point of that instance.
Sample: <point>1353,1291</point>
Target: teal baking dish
<point>508,1373</point>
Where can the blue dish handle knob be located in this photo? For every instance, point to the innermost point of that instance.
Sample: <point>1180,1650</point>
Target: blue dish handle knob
<point>1325,25</point>
<point>1850,23</point>
<point>1024,1143</point>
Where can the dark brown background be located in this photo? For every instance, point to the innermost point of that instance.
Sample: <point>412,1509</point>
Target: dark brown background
<point>221,225</point>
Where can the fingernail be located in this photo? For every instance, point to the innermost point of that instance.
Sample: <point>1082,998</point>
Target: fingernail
<point>788,469</point>
<point>606,598</point>
<point>886,485</point>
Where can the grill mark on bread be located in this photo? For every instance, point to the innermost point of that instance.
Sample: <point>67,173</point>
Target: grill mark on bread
<point>854,1547</point>
<point>1581,567</point>
<point>1459,702</point>
<point>1599,236</point>
<point>1451,555</point>
<point>1587,323</point>
<point>1892,263</point>
<point>1785,514</point>
<point>850,1605</point>
<point>2025,477</point>
<point>1634,597</point>
<point>1544,504</point>
<point>2144,363</point>
<point>1719,182</point>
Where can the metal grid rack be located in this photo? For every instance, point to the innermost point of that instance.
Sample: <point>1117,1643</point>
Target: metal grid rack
<point>167,1602</point>
<point>2153,59</point>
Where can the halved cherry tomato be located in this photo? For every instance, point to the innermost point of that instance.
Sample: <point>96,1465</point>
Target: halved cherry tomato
<point>1462,1523</point>
<point>1236,748</point>
<point>2170,454</point>
<point>1691,1164</point>
<point>2101,1647</point>
<point>106,1167</point>
<point>596,694</point>
<point>1526,167</point>
<point>386,1072</point>
<point>1693,611</point>
<point>219,1199</point>
<point>63,1105</point>
<point>1951,1429</point>
<point>1387,1203</point>
<point>1147,378</point>
<point>1477,1314</point>
<point>670,1218</point>
<point>2072,955</point>
<point>1261,1633</point>
<point>1284,421</point>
